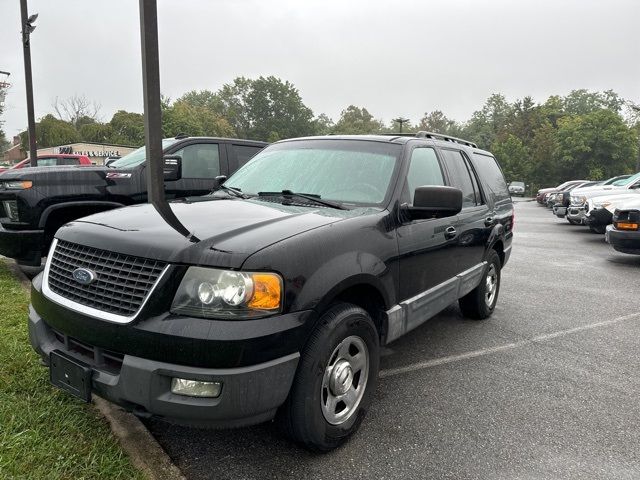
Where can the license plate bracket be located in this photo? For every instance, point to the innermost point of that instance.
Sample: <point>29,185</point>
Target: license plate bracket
<point>70,375</point>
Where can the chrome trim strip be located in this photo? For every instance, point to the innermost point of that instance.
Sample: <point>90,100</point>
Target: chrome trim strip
<point>414,311</point>
<point>90,311</point>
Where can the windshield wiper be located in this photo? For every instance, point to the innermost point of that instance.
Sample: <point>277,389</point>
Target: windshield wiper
<point>236,192</point>
<point>307,196</point>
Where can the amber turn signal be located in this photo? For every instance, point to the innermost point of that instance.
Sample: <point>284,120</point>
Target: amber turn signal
<point>626,226</point>
<point>267,291</point>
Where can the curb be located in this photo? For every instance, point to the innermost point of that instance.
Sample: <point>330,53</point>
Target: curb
<point>144,450</point>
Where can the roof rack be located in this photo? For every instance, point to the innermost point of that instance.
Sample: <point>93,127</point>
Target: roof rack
<point>446,138</point>
<point>433,135</point>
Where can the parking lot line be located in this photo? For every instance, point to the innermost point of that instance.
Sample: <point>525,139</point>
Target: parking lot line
<point>501,348</point>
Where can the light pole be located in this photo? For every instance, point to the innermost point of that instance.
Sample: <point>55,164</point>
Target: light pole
<point>27,28</point>
<point>401,121</point>
<point>153,117</point>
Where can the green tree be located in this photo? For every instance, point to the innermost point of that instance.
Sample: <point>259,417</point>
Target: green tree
<point>357,121</point>
<point>582,102</point>
<point>51,132</point>
<point>487,124</point>
<point>514,157</point>
<point>128,128</point>
<point>182,117</point>
<point>323,125</point>
<point>595,146</point>
<point>438,122</point>
<point>96,132</point>
<point>544,167</point>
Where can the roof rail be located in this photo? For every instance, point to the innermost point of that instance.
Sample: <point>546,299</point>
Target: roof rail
<point>446,138</point>
<point>432,135</point>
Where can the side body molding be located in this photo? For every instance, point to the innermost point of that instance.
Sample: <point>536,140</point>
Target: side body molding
<point>416,310</point>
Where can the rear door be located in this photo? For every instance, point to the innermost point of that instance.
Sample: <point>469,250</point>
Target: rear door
<point>476,220</point>
<point>202,162</point>
<point>239,154</point>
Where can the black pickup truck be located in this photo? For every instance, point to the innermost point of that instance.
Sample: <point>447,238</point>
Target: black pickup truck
<point>37,201</point>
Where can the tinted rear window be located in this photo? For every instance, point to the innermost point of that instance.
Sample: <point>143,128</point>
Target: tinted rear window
<point>491,175</point>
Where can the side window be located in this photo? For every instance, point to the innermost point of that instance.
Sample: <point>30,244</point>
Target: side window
<point>459,176</point>
<point>424,169</point>
<point>47,162</point>
<point>69,161</point>
<point>491,175</point>
<point>243,153</point>
<point>474,180</point>
<point>200,160</point>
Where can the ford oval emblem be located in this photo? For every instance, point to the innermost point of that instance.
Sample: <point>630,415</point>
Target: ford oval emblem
<point>84,276</point>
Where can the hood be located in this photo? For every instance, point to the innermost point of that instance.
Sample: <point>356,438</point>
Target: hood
<point>46,172</point>
<point>602,191</point>
<point>228,230</point>
<point>624,202</point>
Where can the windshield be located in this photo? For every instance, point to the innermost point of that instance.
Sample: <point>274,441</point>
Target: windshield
<point>357,172</point>
<point>138,156</point>
<point>627,181</point>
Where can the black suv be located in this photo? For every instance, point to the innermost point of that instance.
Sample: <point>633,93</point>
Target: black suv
<point>307,260</point>
<point>37,201</point>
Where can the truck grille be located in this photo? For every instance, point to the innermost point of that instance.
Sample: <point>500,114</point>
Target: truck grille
<point>122,281</point>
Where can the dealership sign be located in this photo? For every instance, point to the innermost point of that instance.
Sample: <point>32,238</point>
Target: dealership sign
<point>89,153</point>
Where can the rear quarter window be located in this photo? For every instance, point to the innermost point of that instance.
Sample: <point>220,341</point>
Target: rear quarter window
<point>491,176</point>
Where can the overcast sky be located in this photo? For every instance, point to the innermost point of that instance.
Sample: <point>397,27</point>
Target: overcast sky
<point>405,59</point>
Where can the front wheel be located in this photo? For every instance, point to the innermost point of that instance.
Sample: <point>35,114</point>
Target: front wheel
<point>572,222</point>
<point>601,229</point>
<point>481,301</point>
<point>335,381</point>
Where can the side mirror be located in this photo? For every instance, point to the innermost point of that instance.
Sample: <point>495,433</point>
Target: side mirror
<point>220,179</point>
<point>172,167</point>
<point>435,202</point>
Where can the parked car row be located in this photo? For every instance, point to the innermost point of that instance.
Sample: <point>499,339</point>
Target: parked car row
<point>611,207</point>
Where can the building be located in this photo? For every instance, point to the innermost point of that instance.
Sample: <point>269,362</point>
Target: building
<point>97,152</point>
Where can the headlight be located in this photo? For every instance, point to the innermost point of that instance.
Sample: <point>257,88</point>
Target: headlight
<point>213,293</point>
<point>11,209</point>
<point>16,185</point>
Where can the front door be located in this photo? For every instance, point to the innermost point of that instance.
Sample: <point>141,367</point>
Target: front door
<point>426,247</point>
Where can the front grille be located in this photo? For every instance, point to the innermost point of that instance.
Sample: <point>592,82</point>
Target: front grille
<point>122,281</point>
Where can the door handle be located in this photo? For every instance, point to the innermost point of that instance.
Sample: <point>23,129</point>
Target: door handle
<point>489,221</point>
<point>450,232</point>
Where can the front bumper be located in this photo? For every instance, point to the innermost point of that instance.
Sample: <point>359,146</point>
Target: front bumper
<point>624,242</point>
<point>250,394</point>
<point>23,245</point>
<point>576,213</point>
<point>560,211</point>
<point>599,217</point>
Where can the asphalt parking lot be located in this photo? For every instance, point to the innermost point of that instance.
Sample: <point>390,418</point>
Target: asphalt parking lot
<point>546,388</point>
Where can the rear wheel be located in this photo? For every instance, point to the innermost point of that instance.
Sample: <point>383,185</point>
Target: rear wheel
<point>481,301</point>
<point>336,377</point>
<point>598,229</point>
<point>572,222</point>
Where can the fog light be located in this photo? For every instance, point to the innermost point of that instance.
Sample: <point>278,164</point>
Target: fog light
<point>195,388</point>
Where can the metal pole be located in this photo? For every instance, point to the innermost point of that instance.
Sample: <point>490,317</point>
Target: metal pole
<point>153,116</point>
<point>26,48</point>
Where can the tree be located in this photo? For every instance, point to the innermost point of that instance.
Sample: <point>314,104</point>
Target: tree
<point>514,158</point>
<point>182,117</point>
<point>582,102</point>
<point>438,122</point>
<point>357,121</point>
<point>544,167</point>
<point>128,128</point>
<point>323,125</point>
<point>51,132</point>
<point>595,146</point>
<point>487,124</point>
<point>75,108</point>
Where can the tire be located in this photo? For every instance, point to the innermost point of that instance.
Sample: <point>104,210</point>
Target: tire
<point>601,229</point>
<point>477,304</point>
<point>343,333</point>
<point>572,222</point>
